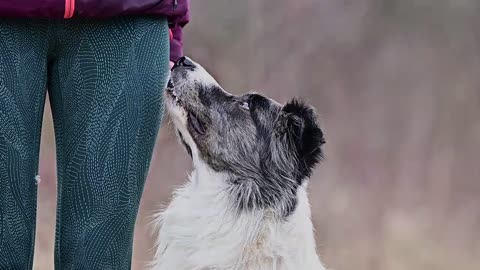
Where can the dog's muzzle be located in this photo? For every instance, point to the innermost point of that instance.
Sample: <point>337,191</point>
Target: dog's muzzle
<point>183,62</point>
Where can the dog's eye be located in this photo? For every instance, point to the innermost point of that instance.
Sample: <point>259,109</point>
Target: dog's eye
<point>244,105</point>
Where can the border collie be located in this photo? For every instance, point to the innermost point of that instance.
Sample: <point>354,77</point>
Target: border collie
<point>245,205</point>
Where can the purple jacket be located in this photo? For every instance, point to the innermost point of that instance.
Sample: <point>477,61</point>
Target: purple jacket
<point>175,10</point>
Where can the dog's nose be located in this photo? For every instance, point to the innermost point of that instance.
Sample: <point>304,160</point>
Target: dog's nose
<point>185,61</point>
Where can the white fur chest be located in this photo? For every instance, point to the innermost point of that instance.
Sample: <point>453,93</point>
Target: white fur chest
<point>200,231</point>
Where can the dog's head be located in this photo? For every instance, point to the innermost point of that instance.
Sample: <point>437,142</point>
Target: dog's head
<point>266,149</point>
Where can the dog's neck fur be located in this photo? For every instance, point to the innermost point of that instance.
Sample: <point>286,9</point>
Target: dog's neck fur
<point>199,230</point>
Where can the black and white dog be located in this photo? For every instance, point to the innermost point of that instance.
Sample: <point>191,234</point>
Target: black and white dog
<point>245,205</point>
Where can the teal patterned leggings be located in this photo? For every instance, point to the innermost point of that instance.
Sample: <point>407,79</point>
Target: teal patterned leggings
<point>105,81</point>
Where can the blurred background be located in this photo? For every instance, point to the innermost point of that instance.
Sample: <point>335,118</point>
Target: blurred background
<point>397,87</point>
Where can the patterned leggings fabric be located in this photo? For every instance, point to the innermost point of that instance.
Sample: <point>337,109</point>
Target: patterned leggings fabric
<point>105,81</point>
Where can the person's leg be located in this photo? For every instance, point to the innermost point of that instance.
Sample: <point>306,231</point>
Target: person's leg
<point>23,62</point>
<point>106,87</point>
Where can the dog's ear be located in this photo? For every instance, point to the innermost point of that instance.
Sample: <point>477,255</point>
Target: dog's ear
<point>297,127</point>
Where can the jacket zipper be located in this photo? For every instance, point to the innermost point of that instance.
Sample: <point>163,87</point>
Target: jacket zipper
<point>170,26</point>
<point>69,9</point>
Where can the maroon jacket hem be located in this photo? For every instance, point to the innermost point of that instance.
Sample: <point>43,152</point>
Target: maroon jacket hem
<point>177,15</point>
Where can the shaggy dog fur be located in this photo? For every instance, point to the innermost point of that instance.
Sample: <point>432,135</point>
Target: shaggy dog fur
<point>245,205</point>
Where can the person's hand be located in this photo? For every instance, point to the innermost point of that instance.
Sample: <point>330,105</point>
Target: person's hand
<point>171,64</point>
